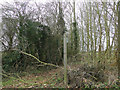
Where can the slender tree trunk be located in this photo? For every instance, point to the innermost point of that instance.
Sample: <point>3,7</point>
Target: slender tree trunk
<point>65,60</point>
<point>76,42</point>
<point>95,36</point>
<point>82,31</point>
<point>87,27</point>
<point>71,36</point>
<point>91,31</point>
<point>100,33</point>
<point>107,29</point>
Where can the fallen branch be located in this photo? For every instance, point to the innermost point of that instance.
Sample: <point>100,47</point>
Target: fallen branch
<point>37,58</point>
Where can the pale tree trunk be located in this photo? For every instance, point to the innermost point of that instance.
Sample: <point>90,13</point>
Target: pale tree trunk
<point>91,31</point>
<point>82,31</point>
<point>95,36</point>
<point>116,29</point>
<point>65,60</point>
<point>100,33</point>
<point>107,29</point>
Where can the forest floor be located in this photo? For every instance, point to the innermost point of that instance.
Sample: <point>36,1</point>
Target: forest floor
<point>36,79</point>
<point>45,78</point>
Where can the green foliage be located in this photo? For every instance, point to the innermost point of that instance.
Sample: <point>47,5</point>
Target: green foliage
<point>41,40</point>
<point>37,40</point>
<point>10,59</point>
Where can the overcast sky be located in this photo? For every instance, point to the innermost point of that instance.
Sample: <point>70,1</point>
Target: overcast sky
<point>44,1</point>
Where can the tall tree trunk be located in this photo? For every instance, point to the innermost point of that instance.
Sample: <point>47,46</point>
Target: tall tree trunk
<point>95,36</point>
<point>87,27</point>
<point>82,31</point>
<point>107,29</point>
<point>75,31</point>
<point>71,37</point>
<point>91,31</point>
<point>100,32</point>
<point>61,26</point>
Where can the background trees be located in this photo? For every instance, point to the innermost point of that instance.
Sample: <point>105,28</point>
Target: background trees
<point>91,30</point>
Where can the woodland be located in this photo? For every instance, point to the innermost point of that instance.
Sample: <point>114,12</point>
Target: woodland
<point>60,44</point>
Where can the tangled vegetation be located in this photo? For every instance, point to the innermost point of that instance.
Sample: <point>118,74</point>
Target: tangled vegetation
<point>80,38</point>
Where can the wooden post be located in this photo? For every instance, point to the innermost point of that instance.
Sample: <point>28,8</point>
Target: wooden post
<point>65,60</point>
